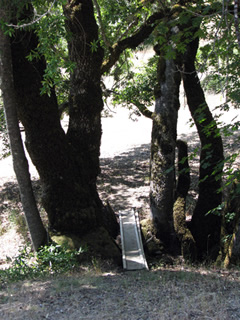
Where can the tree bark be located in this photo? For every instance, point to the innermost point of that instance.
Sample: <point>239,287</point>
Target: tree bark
<point>162,173</point>
<point>37,231</point>
<point>205,227</point>
<point>86,103</point>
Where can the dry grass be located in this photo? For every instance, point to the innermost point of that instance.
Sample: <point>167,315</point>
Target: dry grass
<point>163,293</point>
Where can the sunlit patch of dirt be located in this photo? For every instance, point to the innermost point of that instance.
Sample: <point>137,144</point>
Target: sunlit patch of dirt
<point>14,234</point>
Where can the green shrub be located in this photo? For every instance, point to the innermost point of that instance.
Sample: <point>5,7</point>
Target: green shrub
<point>49,260</point>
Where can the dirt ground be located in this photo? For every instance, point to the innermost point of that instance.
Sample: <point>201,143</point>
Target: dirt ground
<point>163,294</point>
<point>101,291</point>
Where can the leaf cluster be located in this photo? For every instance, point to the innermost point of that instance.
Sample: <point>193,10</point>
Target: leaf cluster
<point>53,46</point>
<point>218,56</point>
<point>137,88</point>
<point>121,18</point>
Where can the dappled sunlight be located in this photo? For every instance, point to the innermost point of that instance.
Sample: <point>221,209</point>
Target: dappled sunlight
<point>124,179</point>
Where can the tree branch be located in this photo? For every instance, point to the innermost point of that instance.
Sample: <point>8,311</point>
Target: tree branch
<point>133,41</point>
<point>143,110</point>
<point>35,20</point>
<point>132,24</point>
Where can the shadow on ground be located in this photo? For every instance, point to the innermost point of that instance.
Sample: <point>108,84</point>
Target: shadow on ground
<point>124,179</point>
<point>124,182</point>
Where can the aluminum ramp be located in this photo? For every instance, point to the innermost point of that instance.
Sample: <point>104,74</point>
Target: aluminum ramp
<point>133,256</point>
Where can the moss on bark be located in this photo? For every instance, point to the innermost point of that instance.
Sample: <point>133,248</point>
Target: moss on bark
<point>152,244</point>
<point>98,243</point>
<point>188,245</point>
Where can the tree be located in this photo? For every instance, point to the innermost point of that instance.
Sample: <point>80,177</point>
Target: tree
<point>68,163</point>
<point>205,227</point>
<point>164,134</point>
<point>37,231</point>
<point>177,39</point>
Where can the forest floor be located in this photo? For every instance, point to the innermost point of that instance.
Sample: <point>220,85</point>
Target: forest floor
<point>101,290</point>
<point>165,293</point>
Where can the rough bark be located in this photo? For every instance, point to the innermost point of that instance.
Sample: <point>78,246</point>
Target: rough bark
<point>205,227</point>
<point>45,139</point>
<point>86,103</point>
<point>162,174</point>
<point>36,229</point>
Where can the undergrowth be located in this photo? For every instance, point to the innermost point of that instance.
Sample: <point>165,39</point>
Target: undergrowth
<point>48,260</point>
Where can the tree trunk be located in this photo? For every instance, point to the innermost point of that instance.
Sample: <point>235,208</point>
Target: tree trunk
<point>205,227</point>
<point>188,246</point>
<point>86,103</point>
<point>230,231</point>
<point>162,174</point>
<point>67,163</point>
<point>37,231</point>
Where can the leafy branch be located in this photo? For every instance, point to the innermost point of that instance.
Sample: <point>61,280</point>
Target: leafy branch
<point>35,18</point>
<point>133,41</point>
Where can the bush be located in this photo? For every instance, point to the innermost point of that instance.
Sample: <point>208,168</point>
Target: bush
<point>49,260</point>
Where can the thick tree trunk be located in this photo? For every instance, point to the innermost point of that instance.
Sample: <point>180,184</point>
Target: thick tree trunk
<point>37,231</point>
<point>67,164</point>
<point>205,227</point>
<point>162,183</point>
<point>86,103</point>
<point>45,139</point>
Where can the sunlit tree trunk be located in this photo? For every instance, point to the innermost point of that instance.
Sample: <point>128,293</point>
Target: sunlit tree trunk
<point>188,247</point>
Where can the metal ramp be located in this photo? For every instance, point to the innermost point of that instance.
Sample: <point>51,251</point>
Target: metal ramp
<point>132,248</point>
